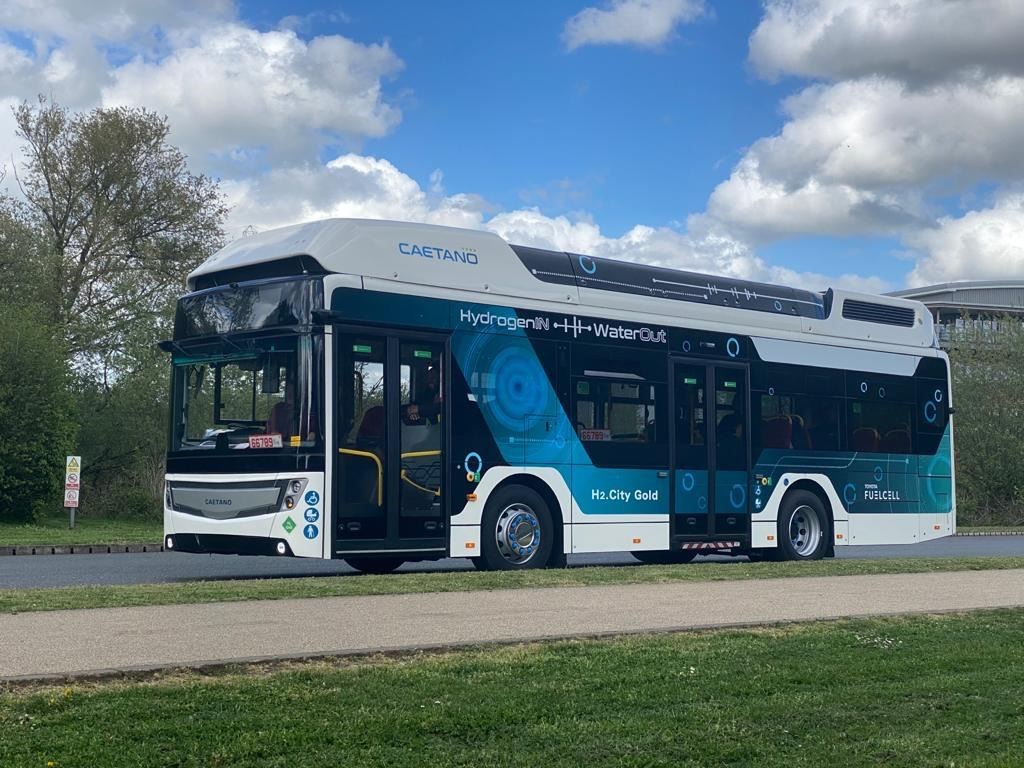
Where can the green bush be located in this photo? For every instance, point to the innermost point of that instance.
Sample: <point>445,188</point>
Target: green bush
<point>37,426</point>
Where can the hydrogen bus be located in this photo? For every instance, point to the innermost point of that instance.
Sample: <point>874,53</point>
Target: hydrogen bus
<point>386,392</point>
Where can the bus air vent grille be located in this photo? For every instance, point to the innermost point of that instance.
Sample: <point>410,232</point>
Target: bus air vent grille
<point>886,314</point>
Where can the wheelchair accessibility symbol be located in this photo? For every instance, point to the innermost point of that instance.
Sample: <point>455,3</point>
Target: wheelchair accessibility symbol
<point>312,498</point>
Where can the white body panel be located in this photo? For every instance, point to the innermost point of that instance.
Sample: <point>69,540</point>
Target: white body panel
<point>263,526</point>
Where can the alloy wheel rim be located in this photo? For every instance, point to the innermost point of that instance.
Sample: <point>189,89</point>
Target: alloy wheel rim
<point>517,533</point>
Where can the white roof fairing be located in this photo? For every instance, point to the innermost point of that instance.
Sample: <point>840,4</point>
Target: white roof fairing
<point>481,267</point>
<point>422,254</point>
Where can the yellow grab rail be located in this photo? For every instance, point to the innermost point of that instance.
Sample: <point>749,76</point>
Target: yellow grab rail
<point>380,469</point>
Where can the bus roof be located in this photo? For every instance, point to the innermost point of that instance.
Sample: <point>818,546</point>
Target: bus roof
<point>483,263</point>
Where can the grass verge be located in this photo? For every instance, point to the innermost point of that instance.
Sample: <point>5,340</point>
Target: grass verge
<point>989,528</point>
<point>86,531</point>
<point>926,690</point>
<point>21,600</point>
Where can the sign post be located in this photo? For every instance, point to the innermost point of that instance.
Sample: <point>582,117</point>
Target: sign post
<point>72,485</point>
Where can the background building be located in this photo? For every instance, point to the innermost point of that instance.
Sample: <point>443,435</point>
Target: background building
<point>983,303</point>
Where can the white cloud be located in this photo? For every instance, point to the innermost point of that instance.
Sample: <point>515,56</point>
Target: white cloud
<point>232,90</point>
<point>916,41</point>
<point>981,244</point>
<point>356,186</point>
<point>109,20</point>
<point>350,186</point>
<point>635,22</point>
<point>925,101</point>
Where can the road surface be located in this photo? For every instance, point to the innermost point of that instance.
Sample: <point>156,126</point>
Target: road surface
<point>69,570</point>
<point>70,643</point>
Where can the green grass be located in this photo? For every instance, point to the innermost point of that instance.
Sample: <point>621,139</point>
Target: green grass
<point>928,690</point>
<point>86,531</point>
<point>989,528</point>
<point>21,600</point>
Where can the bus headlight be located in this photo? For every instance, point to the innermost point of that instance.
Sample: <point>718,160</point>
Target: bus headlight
<point>296,486</point>
<point>282,548</point>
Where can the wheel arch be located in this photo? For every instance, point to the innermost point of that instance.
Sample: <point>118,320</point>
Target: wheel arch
<point>806,484</point>
<point>545,491</point>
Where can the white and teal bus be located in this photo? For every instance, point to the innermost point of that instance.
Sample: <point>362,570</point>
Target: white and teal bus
<point>386,392</point>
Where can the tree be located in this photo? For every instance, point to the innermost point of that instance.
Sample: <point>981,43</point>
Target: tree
<point>37,427</point>
<point>123,218</point>
<point>988,424</point>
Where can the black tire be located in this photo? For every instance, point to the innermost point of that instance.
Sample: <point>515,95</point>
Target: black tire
<point>804,530</point>
<point>374,564</point>
<point>516,531</point>
<point>665,556</point>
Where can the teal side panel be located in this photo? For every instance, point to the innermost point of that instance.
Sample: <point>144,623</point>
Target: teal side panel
<point>608,491</point>
<point>730,492</point>
<point>692,492</point>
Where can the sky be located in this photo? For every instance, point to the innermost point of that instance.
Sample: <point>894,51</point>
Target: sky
<point>864,144</point>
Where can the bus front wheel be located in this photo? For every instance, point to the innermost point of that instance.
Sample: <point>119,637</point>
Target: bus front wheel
<point>517,530</point>
<point>803,527</point>
<point>374,564</point>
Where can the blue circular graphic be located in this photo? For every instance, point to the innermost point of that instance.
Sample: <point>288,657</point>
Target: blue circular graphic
<point>688,482</point>
<point>937,396</point>
<point>738,499</point>
<point>312,497</point>
<point>931,412</point>
<point>310,531</point>
<point>732,347</point>
<point>702,503</point>
<point>584,260</point>
<point>471,457</point>
<point>311,515</point>
<point>864,387</point>
<point>850,493</point>
<point>771,390</point>
<point>881,393</point>
<point>520,387</point>
<point>878,474</point>
<point>686,346</point>
<point>778,306</point>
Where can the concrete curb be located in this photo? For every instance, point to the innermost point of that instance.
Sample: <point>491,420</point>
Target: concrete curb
<point>79,549</point>
<point>138,549</point>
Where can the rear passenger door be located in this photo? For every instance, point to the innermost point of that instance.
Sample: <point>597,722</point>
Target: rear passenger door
<point>711,450</point>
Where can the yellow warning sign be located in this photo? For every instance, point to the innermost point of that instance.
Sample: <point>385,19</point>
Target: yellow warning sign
<point>73,463</point>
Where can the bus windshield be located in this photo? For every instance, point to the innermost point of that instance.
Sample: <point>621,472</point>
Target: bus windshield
<point>240,394</point>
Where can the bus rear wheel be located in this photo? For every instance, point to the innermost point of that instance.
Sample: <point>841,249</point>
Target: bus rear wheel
<point>517,530</point>
<point>374,564</point>
<point>665,556</point>
<point>803,527</point>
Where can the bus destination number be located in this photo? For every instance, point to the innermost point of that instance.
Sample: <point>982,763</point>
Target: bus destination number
<point>265,441</point>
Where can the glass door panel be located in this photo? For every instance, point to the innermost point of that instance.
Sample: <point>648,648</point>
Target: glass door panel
<point>731,451</point>
<point>363,438</point>
<point>691,449</point>
<point>421,378</point>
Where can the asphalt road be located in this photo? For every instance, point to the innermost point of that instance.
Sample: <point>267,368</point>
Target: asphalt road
<point>75,570</point>
<point>93,641</point>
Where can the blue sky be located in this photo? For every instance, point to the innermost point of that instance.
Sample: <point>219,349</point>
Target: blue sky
<point>864,143</point>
